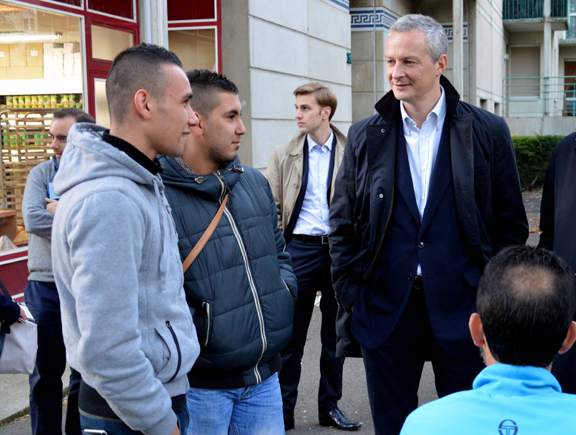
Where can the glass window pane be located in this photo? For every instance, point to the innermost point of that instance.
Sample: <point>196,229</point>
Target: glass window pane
<point>40,55</point>
<point>181,10</point>
<point>107,43</point>
<point>118,8</point>
<point>102,114</point>
<point>70,2</point>
<point>195,48</point>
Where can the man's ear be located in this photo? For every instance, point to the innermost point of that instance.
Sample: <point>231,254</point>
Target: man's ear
<point>325,112</point>
<point>144,103</point>
<point>199,128</point>
<point>476,330</point>
<point>569,340</point>
<point>442,65</point>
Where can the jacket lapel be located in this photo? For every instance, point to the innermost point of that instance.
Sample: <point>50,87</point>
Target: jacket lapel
<point>441,175</point>
<point>404,176</point>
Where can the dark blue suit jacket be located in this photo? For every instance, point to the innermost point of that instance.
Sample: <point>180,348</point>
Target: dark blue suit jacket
<point>488,205</point>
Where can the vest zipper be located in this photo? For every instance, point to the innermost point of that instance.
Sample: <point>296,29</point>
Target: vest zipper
<point>250,281</point>
<point>169,326</point>
<point>206,306</point>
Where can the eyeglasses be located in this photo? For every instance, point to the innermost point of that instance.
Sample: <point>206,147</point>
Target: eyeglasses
<point>59,137</point>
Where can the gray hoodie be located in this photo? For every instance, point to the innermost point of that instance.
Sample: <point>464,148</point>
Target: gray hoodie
<point>126,324</point>
<point>38,221</point>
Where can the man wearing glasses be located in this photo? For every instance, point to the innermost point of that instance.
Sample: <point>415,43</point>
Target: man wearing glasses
<point>38,208</point>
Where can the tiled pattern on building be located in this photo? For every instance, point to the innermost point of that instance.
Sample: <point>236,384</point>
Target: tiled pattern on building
<point>365,19</point>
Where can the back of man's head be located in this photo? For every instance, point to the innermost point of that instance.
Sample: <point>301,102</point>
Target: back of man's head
<point>138,67</point>
<point>77,114</point>
<point>526,303</point>
<point>206,85</point>
<point>324,96</point>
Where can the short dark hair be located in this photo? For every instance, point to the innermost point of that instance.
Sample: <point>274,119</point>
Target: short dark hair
<point>324,96</point>
<point>77,114</point>
<point>138,67</point>
<point>526,303</point>
<point>205,86</point>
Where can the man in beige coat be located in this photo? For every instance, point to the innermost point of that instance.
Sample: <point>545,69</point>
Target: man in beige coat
<point>301,173</point>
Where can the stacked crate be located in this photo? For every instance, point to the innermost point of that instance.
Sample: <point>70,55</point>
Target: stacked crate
<point>25,144</point>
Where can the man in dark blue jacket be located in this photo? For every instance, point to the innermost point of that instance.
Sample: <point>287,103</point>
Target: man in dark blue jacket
<point>559,232</point>
<point>241,286</point>
<point>427,192</point>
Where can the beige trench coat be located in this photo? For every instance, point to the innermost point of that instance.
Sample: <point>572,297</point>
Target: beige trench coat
<point>284,173</point>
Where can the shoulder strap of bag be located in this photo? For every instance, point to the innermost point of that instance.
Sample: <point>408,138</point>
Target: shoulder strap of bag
<point>198,247</point>
<point>8,295</point>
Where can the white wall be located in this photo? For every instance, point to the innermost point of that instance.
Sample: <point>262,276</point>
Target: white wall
<point>490,48</point>
<point>291,43</point>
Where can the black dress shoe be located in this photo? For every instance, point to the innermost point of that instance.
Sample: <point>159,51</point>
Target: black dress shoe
<point>338,419</point>
<point>288,423</point>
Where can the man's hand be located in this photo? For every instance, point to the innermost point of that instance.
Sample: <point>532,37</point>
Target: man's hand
<point>22,314</point>
<point>52,204</point>
<point>176,431</point>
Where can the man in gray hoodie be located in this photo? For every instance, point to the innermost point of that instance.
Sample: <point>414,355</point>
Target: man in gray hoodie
<point>126,324</point>
<point>38,208</point>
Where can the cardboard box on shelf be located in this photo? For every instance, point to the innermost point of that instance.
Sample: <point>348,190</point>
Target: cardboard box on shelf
<point>71,47</point>
<point>2,73</point>
<point>18,54</point>
<point>4,55</point>
<point>34,54</point>
<point>50,46</point>
<point>24,72</point>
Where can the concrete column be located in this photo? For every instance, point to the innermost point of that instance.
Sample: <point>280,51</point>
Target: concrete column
<point>547,47</point>
<point>154,22</point>
<point>236,52</point>
<point>458,44</point>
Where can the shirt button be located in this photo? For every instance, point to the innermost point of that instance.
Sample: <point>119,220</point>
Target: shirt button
<point>382,131</point>
<point>421,244</point>
<point>381,195</point>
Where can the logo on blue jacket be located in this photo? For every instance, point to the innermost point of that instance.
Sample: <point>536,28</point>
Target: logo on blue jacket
<point>508,427</point>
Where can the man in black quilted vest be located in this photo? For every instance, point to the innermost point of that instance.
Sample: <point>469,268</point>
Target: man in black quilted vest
<point>240,286</point>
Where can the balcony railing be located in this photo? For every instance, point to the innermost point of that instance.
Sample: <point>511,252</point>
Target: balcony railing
<point>528,10</point>
<point>540,96</point>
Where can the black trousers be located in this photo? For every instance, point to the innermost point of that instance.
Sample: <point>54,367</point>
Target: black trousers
<point>46,379</point>
<point>311,264</point>
<point>393,370</point>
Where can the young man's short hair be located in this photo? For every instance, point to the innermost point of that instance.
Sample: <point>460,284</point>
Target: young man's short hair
<point>77,114</point>
<point>206,85</point>
<point>135,68</point>
<point>526,303</point>
<point>324,96</point>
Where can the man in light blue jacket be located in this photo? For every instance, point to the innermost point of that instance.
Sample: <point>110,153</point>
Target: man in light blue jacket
<point>526,304</point>
<point>126,324</point>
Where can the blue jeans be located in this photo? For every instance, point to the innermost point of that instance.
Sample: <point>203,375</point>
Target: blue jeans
<point>255,410</point>
<point>117,427</point>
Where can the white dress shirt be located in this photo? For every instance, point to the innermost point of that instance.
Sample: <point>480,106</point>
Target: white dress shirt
<point>313,217</point>
<point>422,146</point>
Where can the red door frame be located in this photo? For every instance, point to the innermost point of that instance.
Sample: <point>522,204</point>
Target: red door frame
<point>95,68</point>
<point>216,22</point>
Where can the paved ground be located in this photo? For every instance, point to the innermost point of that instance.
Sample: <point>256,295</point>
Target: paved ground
<point>14,388</point>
